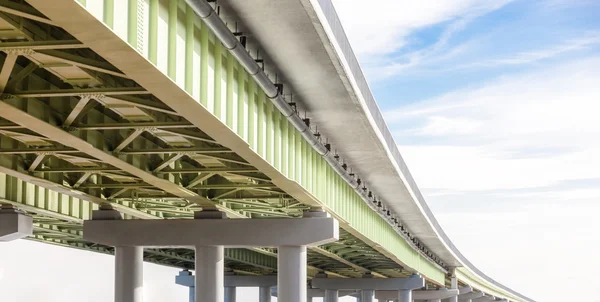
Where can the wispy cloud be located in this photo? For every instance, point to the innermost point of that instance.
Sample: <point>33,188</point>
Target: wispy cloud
<point>381,27</point>
<point>494,134</point>
<point>588,41</point>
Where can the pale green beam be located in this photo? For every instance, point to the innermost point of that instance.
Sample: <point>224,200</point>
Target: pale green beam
<point>152,31</point>
<point>251,110</point>
<point>277,140</point>
<point>109,13</point>
<point>189,48</point>
<point>218,75</point>
<point>172,41</point>
<point>241,79</point>
<point>260,120</point>
<point>204,64</point>
<point>269,130</point>
<point>229,96</point>
<point>285,147</point>
<point>132,24</point>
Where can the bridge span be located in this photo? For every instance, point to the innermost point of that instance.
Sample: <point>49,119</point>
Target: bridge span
<point>237,136</point>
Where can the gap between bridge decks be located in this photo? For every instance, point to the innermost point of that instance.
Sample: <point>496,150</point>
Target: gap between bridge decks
<point>94,34</point>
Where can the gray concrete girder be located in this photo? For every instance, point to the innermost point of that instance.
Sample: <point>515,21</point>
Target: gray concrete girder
<point>14,225</point>
<point>413,282</point>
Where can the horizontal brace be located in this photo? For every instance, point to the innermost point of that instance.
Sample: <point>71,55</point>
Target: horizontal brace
<point>228,186</point>
<point>43,45</point>
<point>116,186</point>
<point>190,134</point>
<point>208,170</point>
<point>77,170</point>
<point>137,102</point>
<point>82,62</point>
<point>119,126</point>
<point>176,150</point>
<point>36,151</point>
<point>56,93</point>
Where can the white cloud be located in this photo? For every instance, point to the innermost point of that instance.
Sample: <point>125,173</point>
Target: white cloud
<point>381,27</point>
<point>510,169</point>
<point>526,57</point>
<point>531,130</point>
<point>529,248</point>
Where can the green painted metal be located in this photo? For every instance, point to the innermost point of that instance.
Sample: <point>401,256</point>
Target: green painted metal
<point>218,69</point>
<point>145,152</point>
<point>275,140</point>
<point>204,35</point>
<point>231,81</point>
<point>152,30</point>
<point>190,28</point>
<point>109,13</point>
<point>172,40</point>
<point>132,23</point>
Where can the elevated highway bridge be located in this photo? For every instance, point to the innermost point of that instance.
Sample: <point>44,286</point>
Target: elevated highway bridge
<point>170,110</point>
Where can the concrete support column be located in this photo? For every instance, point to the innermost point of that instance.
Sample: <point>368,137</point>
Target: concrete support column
<point>331,295</point>
<point>129,278</point>
<point>367,295</point>
<point>405,295</point>
<point>209,279</point>
<point>264,294</point>
<point>291,276</point>
<point>230,294</point>
<point>192,294</point>
<point>453,285</point>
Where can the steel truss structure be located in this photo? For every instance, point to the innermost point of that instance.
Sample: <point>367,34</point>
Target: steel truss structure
<point>78,134</point>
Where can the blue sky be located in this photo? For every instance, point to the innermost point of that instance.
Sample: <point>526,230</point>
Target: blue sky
<point>494,105</point>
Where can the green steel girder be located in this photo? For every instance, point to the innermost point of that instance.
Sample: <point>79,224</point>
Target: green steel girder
<point>95,115</point>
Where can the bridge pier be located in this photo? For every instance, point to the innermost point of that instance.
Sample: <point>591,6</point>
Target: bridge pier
<point>209,282</point>
<point>209,233</point>
<point>264,294</point>
<point>469,296</point>
<point>231,283</point>
<point>14,224</point>
<point>401,288</point>
<point>417,295</point>
<point>291,273</point>
<point>129,280</point>
<point>331,295</point>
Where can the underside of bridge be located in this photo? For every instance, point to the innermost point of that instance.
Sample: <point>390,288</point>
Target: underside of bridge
<point>63,103</point>
<point>137,106</point>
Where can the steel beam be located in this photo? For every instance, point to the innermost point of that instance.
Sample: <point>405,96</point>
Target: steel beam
<point>77,111</point>
<point>82,62</point>
<point>7,68</point>
<point>79,92</point>
<point>137,102</point>
<point>137,125</point>
<point>42,45</point>
<point>175,150</point>
<point>74,193</point>
<point>36,162</point>
<point>21,75</point>
<point>24,11</point>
